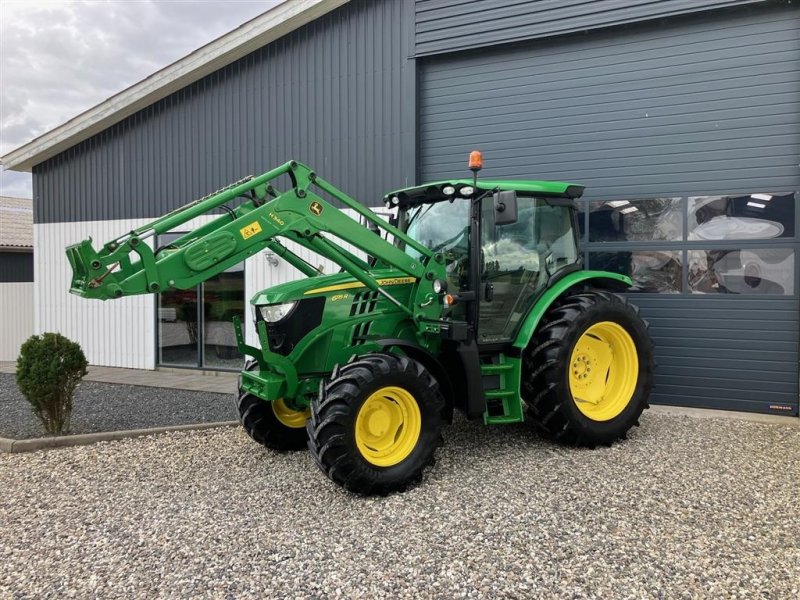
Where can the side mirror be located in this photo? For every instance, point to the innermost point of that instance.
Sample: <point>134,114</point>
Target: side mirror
<point>505,208</point>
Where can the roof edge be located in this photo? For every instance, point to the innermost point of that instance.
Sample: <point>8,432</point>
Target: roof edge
<point>248,37</point>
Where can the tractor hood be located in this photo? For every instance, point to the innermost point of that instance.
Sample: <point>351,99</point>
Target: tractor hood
<point>433,192</point>
<point>324,285</point>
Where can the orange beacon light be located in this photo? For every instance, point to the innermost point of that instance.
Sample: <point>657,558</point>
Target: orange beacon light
<point>475,160</point>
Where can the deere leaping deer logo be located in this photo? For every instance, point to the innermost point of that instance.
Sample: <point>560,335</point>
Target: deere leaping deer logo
<point>316,208</point>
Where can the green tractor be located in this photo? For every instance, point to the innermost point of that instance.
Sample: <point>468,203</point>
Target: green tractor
<point>470,296</point>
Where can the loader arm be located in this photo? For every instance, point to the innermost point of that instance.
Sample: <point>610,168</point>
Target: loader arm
<point>128,265</point>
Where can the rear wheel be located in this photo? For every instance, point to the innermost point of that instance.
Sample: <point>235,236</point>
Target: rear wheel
<point>588,370</point>
<point>272,424</point>
<point>376,424</point>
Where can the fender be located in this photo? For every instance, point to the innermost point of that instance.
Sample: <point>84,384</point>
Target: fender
<point>531,322</point>
<point>430,362</point>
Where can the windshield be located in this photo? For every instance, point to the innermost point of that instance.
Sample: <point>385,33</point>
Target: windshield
<point>441,227</point>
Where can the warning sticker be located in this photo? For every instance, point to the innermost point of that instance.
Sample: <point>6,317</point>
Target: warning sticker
<point>249,231</point>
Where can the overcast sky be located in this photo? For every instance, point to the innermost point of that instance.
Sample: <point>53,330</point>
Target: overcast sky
<point>58,59</point>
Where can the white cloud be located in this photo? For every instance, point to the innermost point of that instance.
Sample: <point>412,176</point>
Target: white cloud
<point>57,59</point>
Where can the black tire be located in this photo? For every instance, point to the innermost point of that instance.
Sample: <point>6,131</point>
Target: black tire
<point>260,422</point>
<point>546,369</point>
<point>332,426</point>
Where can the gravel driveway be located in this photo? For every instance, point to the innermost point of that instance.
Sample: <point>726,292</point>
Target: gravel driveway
<point>113,407</point>
<point>686,508</point>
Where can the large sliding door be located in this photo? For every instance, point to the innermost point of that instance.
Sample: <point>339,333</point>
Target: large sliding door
<point>686,133</point>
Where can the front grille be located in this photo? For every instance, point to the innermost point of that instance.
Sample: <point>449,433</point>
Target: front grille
<point>360,332</point>
<point>363,302</point>
<point>284,335</point>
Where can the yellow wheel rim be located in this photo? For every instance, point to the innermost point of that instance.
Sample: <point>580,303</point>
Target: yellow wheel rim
<point>603,371</point>
<point>388,426</point>
<point>295,419</point>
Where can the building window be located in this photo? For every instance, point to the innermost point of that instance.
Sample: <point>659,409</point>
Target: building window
<point>747,271</point>
<point>652,271</point>
<point>636,220</point>
<point>195,326</point>
<point>758,216</point>
<point>667,245</point>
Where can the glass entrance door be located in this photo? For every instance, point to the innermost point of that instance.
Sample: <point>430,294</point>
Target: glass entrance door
<point>195,327</point>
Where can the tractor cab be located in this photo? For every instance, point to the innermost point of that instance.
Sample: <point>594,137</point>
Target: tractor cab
<point>525,236</point>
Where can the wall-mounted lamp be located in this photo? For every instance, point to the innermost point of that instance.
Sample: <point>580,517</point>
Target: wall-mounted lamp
<point>272,260</point>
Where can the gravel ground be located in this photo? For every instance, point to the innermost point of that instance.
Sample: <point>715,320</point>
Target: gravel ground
<point>111,407</point>
<point>686,508</point>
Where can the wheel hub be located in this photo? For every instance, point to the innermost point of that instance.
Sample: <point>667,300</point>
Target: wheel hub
<point>603,371</point>
<point>388,426</point>
<point>378,422</point>
<point>294,419</point>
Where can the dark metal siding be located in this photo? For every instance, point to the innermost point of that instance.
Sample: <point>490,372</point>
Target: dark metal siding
<point>731,353</point>
<point>330,94</point>
<point>447,25</point>
<point>16,267</point>
<point>710,104</point>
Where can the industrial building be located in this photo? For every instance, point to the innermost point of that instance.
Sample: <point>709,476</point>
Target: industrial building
<point>16,275</point>
<point>681,118</point>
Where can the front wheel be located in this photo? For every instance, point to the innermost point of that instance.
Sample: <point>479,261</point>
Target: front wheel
<point>376,424</point>
<point>588,370</point>
<point>272,424</point>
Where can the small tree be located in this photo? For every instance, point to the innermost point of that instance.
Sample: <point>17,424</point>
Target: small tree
<point>49,368</point>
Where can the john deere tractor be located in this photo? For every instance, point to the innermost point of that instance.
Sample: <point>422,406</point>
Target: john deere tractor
<point>471,296</point>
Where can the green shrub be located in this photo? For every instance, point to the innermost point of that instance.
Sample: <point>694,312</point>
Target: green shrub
<point>49,368</point>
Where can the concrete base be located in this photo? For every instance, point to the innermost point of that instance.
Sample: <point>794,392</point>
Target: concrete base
<point>707,413</point>
<point>221,382</point>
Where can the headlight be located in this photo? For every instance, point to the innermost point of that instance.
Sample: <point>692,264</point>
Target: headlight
<point>273,313</point>
<point>466,191</point>
<point>448,190</point>
<point>439,286</point>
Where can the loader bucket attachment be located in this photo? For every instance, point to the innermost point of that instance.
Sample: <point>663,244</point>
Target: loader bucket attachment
<point>90,279</point>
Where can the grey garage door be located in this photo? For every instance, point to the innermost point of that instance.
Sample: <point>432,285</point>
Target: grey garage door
<point>674,127</point>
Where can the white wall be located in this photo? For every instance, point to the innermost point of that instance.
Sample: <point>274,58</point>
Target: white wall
<point>16,318</point>
<point>114,333</point>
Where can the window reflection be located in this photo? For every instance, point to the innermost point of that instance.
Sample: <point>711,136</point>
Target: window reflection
<point>652,271</point>
<point>758,216</point>
<point>223,299</point>
<point>751,271</point>
<point>201,317</point>
<point>636,220</point>
<point>178,327</point>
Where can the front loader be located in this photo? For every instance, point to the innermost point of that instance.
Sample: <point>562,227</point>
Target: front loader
<point>472,296</point>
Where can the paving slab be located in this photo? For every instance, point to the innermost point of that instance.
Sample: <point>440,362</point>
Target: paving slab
<point>221,382</point>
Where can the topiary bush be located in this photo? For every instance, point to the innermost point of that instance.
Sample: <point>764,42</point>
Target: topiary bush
<point>49,368</point>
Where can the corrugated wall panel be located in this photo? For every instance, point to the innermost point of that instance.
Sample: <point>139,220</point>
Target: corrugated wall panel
<point>118,333</point>
<point>732,353</point>
<point>708,106</point>
<point>16,266</point>
<point>448,25</point>
<point>16,317</point>
<point>328,94</point>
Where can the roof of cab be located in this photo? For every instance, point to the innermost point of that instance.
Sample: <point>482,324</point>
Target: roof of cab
<point>432,192</point>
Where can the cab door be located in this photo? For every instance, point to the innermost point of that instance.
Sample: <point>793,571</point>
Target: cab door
<point>517,260</point>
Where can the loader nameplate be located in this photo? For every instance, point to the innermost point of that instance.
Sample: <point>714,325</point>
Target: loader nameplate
<point>316,208</point>
<point>249,231</point>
